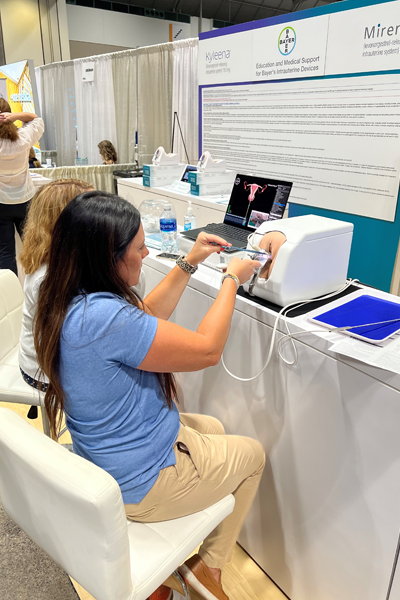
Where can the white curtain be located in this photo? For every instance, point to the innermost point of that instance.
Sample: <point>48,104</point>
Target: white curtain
<point>185,98</point>
<point>95,107</point>
<point>155,68</point>
<point>56,88</point>
<point>124,69</point>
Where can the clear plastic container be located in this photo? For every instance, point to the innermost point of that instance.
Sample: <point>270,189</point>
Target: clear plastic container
<point>150,211</point>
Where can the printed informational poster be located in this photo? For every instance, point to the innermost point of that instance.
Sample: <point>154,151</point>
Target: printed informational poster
<point>337,140</point>
<point>272,104</point>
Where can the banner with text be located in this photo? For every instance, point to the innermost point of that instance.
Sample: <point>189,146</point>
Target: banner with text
<point>336,139</point>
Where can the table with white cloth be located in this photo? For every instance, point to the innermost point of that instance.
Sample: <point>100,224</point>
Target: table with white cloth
<point>325,523</point>
<point>99,176</point>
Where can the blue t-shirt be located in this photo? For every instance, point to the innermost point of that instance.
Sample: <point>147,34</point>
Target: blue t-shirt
<point>116,414</point>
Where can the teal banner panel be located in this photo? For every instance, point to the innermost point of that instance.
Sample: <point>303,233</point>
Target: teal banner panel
<point>374,246</point>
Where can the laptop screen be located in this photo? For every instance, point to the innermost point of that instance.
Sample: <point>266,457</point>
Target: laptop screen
<point>255,200</point>
<point>186,172</point>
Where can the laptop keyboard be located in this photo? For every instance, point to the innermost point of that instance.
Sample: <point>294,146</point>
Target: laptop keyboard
<point>227,230</point>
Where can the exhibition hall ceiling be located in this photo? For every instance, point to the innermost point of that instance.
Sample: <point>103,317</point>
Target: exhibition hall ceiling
<point>230,11</point>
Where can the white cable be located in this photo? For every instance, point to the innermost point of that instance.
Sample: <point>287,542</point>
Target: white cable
<point>289,334</point>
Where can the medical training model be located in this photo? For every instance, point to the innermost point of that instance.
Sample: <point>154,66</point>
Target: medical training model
<point>254,188</point>
<point>162,158</point>
<point>207,163</point>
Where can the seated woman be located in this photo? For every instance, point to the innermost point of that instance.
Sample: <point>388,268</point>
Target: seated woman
<point>107,152</point>
<point>110,359</point>
<point>33,162</point>
<point>45,208</point>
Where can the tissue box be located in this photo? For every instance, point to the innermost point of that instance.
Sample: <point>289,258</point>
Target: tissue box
<point>204,177</point>
<point>158,170</point>
<point>210,189</point>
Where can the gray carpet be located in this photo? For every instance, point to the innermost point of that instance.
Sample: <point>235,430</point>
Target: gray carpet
<point>26,572</point>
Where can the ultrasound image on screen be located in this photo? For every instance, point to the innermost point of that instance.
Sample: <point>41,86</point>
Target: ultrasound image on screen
<point>255,200</point>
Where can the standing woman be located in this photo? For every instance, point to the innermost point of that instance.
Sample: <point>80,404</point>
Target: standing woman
<point>16,187</point>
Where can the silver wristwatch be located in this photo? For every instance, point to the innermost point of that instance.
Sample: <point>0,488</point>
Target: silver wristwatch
<point>185,266</point>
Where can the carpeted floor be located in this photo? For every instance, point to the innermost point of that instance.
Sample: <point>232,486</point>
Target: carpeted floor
<point>26,572</point>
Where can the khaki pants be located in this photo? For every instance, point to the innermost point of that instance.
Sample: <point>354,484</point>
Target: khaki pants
<point>209,466</point>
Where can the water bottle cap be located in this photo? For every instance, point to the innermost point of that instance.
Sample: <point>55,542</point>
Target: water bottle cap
<point>168,206</point>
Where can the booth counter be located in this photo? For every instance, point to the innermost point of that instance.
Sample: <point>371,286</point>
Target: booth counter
<point>325,523</point>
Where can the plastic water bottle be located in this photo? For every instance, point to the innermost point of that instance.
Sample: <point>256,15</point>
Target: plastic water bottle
<point>168,228</point>
<point>189,220</point>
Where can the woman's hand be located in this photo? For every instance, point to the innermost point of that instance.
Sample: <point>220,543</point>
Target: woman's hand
<point>243,269</point>
<point>205,245</point>
<point>271,242</point>
<point>6,117</point>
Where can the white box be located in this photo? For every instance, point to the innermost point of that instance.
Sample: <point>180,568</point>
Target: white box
<point>312,262</point>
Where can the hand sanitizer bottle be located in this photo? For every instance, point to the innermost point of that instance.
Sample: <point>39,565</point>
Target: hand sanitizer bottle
<point>189,220</point>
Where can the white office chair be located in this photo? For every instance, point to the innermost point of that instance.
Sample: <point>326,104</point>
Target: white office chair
<point>74,511</point>
<point>12,387</point>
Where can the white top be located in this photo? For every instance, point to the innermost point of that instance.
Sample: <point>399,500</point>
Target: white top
<point>27,353</point>
<point>16,184</point>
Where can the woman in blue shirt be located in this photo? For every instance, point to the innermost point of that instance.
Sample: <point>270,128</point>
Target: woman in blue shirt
<point>110,358</point>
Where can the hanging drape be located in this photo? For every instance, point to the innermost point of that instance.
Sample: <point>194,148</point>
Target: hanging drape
<point>99,176</point>
<point>95,107</point>
<point>155,66</point>
<point>185,97</point>
<point>133,91</point>
<point>56,88</point>
<point>124,70</point>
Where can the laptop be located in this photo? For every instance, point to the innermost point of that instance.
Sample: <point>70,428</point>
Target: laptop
<point>253,201</point>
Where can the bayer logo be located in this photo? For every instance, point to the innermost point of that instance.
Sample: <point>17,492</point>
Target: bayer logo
<point>287,40</point>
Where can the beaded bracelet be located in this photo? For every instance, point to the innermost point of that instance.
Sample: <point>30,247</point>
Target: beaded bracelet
<point>231,276</point>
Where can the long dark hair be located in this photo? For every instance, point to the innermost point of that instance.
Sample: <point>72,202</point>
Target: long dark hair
<point>91,234</point>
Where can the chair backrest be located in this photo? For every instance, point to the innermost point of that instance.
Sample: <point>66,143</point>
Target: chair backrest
<point>11,301</point>
<point>67,505</point>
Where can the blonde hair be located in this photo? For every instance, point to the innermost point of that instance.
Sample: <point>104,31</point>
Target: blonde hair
<point>107,150</point>
<point>8,131</point>
<point>45,208</point>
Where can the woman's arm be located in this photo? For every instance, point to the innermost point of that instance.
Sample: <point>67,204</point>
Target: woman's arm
<point>11,117</point>
<point>161,301</point>
<point>177,349</point>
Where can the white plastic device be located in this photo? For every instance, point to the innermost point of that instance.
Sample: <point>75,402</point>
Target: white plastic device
<point>207,163</point>
<point>162,158</point>
<point>312,262</point>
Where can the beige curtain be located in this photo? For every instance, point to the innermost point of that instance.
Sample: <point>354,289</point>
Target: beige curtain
<point>155,68</point>
<point>100,176</point>
<point>125,91</point>
<point>56,83</point>
<point>185,98</point>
